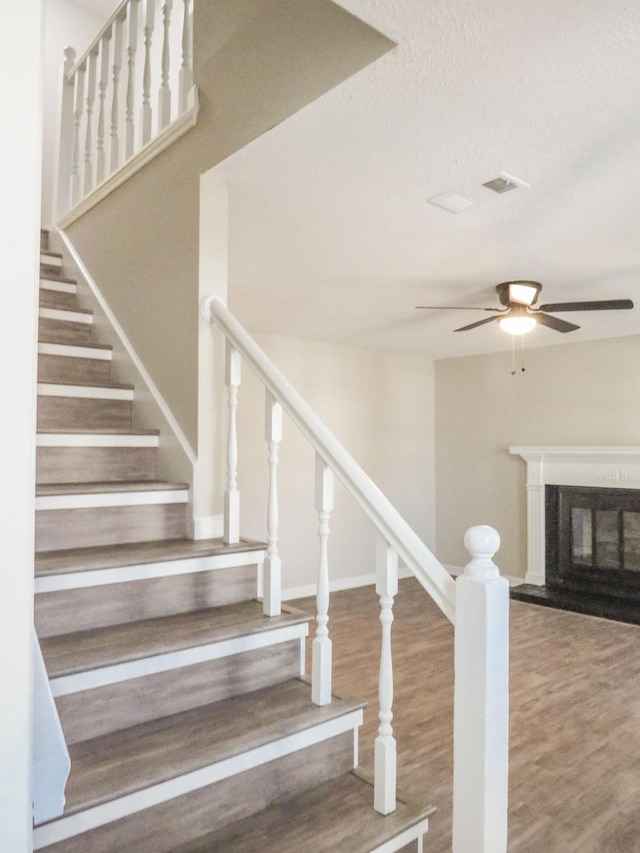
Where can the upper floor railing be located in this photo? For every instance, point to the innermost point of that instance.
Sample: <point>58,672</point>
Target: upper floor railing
<point>477,604</point>
<point>126,99</point>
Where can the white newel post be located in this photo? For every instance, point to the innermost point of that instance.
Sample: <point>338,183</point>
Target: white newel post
<point>481,709</point>
<point>232,495</point>
<point>66,135</point>
<point>272,565</point>
<point>321,647</point>
<point>384,797</point>
<point>78,112</point>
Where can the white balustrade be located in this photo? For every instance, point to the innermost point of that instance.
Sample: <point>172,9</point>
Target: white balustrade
<point>99,151</point>
<point>481,708</point>
<point>384,800</point>
<point>477,604</point>
<point>321,647</point>
<point>232,495</point>
<point>272,570</point>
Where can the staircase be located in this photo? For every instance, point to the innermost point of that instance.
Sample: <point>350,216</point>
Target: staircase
<point>186,711</point>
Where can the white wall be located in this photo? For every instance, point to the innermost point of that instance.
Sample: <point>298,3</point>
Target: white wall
<point>380,406</point>
<point>65,25</point>
<point>571,394</point>
<point>20,54</point>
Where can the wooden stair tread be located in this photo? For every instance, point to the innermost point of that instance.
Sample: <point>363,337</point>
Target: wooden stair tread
<point>128,760</point>
<point>69,654</point>
<point>334,817</point>
<point>69,310</point>
<point>51,489</point>
<point>115,556</point>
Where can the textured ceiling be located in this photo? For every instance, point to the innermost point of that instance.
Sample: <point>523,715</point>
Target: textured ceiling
<point>332,234</point>
<point>333,237</point>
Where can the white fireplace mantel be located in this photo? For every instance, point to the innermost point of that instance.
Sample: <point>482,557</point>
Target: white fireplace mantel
<point>603,467</point>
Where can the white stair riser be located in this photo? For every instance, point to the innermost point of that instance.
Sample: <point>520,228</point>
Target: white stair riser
<point>83,413</point>
<point>116,706</point>
<point>86,527</point>
<point>232,788</point>
<point>89,607</point>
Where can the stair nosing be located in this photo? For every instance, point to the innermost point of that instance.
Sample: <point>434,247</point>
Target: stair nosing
<point>113,557</point>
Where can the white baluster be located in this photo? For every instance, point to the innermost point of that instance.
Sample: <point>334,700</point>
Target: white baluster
<point>103,82</point>
<point>186,69</point>
<point>132,41</point>
<point>232,495</point>
<point>77,121</point>
<point>114,153</point>
<point>88,144</point>
<point>65,142</point>
<point>321,647</point>
<point>146,113</point>
<point>481,700</point>
<point>384,797</point>
<point>164,96</point>
<point>272,577</point>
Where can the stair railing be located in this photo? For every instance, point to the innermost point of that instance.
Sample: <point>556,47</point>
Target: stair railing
<point>477,605</point>
<point>102,142</point>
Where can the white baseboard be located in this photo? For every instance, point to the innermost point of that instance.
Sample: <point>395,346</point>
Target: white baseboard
<point>337,585</point>
<point>208,526</point>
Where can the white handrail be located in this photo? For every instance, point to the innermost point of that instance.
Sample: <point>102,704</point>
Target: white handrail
<point>410,548</point>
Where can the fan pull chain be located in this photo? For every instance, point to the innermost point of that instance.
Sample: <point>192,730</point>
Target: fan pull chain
<point>523,367</point>
<point>513,355</point>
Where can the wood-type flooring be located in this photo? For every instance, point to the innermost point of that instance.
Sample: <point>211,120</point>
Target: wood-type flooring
<point>574,784</point>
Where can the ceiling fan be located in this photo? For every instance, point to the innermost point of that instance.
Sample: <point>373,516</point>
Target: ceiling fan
<point>518,316</point>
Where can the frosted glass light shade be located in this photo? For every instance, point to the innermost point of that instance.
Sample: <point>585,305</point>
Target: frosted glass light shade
<point>517,325</point>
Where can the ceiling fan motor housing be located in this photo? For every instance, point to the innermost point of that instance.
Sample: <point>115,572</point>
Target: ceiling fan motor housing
<point>518,292</point>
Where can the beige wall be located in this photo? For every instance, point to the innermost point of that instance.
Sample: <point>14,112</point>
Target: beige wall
<point>571,394</point>
<point>380,406</point>
<point>256,62</point>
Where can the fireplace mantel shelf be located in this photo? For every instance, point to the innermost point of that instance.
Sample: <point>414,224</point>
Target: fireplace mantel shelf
<point>600,467</point>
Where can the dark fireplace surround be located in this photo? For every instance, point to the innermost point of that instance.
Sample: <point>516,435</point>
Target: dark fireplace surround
<point>583,530</point>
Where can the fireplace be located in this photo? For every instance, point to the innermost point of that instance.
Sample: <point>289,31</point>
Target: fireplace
<point>583,529</point>
<point>592,540</point>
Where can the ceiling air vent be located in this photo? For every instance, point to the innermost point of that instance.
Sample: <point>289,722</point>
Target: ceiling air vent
<point>503,183</point>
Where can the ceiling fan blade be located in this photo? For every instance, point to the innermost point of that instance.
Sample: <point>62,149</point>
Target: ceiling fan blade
<point>599,305</point>
<point>458,308</point>
<point>475,325</point>
<point>554,322</point>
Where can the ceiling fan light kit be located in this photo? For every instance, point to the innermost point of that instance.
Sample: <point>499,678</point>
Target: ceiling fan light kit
<point>518,322</point>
